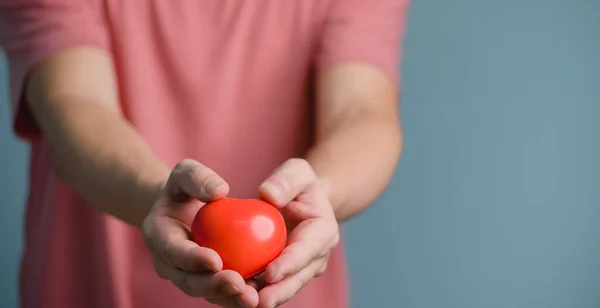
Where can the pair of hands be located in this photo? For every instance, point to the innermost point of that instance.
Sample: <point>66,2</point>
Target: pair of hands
<point>313,234</point>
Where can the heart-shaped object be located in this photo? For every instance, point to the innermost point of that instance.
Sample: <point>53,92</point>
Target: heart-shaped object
<point>246,233</point>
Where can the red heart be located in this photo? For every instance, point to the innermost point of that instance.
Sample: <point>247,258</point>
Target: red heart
<point>246,233</point>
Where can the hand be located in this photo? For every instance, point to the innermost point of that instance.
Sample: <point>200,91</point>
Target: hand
<point>195,270</point>
<point>312,227</point>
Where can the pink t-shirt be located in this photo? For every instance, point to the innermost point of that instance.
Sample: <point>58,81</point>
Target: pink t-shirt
<point>226,82</point>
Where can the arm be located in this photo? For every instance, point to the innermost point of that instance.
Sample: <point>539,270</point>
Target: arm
<point>63,89</point>
<point>93,148</point>
<point>357,147</point>
<point>359,137</point>
<point>97,152</point>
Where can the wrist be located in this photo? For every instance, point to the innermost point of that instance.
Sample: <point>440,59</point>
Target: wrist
<point>332,192</point>
<point>151,191</point>
<point>321,165</point>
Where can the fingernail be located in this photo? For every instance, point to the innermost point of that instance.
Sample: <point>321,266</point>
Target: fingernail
<point>212,185</point>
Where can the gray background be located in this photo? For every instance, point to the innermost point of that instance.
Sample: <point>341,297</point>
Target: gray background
<point>495,203</point>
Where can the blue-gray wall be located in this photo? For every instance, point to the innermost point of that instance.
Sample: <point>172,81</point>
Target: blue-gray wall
<point>497,199</point>
<point>13,185</point>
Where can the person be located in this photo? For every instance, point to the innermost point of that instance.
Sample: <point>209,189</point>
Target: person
<point>138,112</point>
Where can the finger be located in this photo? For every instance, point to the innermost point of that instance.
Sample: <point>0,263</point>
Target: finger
<point>188,256</point>
<point>206,285</point>
<point>190,178</point>
<point>168,239</point>
<point>217,285</point>
<point>247,299</point>
<point>309,241</point>
<point>287,181</point>
<point>279,293</point>
<point>257,282</point>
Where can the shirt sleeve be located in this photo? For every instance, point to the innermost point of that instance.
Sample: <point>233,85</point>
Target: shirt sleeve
<point>368,31</point>
<point>31,31</point>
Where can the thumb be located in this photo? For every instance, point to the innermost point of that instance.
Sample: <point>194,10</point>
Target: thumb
<point>287,182</point>
<point>191,179</point>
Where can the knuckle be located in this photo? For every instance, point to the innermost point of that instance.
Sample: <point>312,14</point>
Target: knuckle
<point>160,270</point>
<point>315,254</point>
<point>282,301</point>
<point>303,282</point>
<point>328,247</point>
<point>321,270</point>
<point>335,241</point>
<point>330,250</point>
<point>164,253</point>
<point>206,292</point>
<point>202,289</point>
<point>161,274</point>
<point>278,301</point>
<point>181,282</point>
<point>283,185</point>
<point>197,172</point>
<point>200,175</point>
<point>147,236</point>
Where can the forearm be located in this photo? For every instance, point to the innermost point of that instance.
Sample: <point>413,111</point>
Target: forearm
<point>93,147</point>
<point>357,160</point>
<point>104,159</point>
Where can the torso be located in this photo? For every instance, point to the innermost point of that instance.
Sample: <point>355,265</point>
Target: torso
<point>225,82</point>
